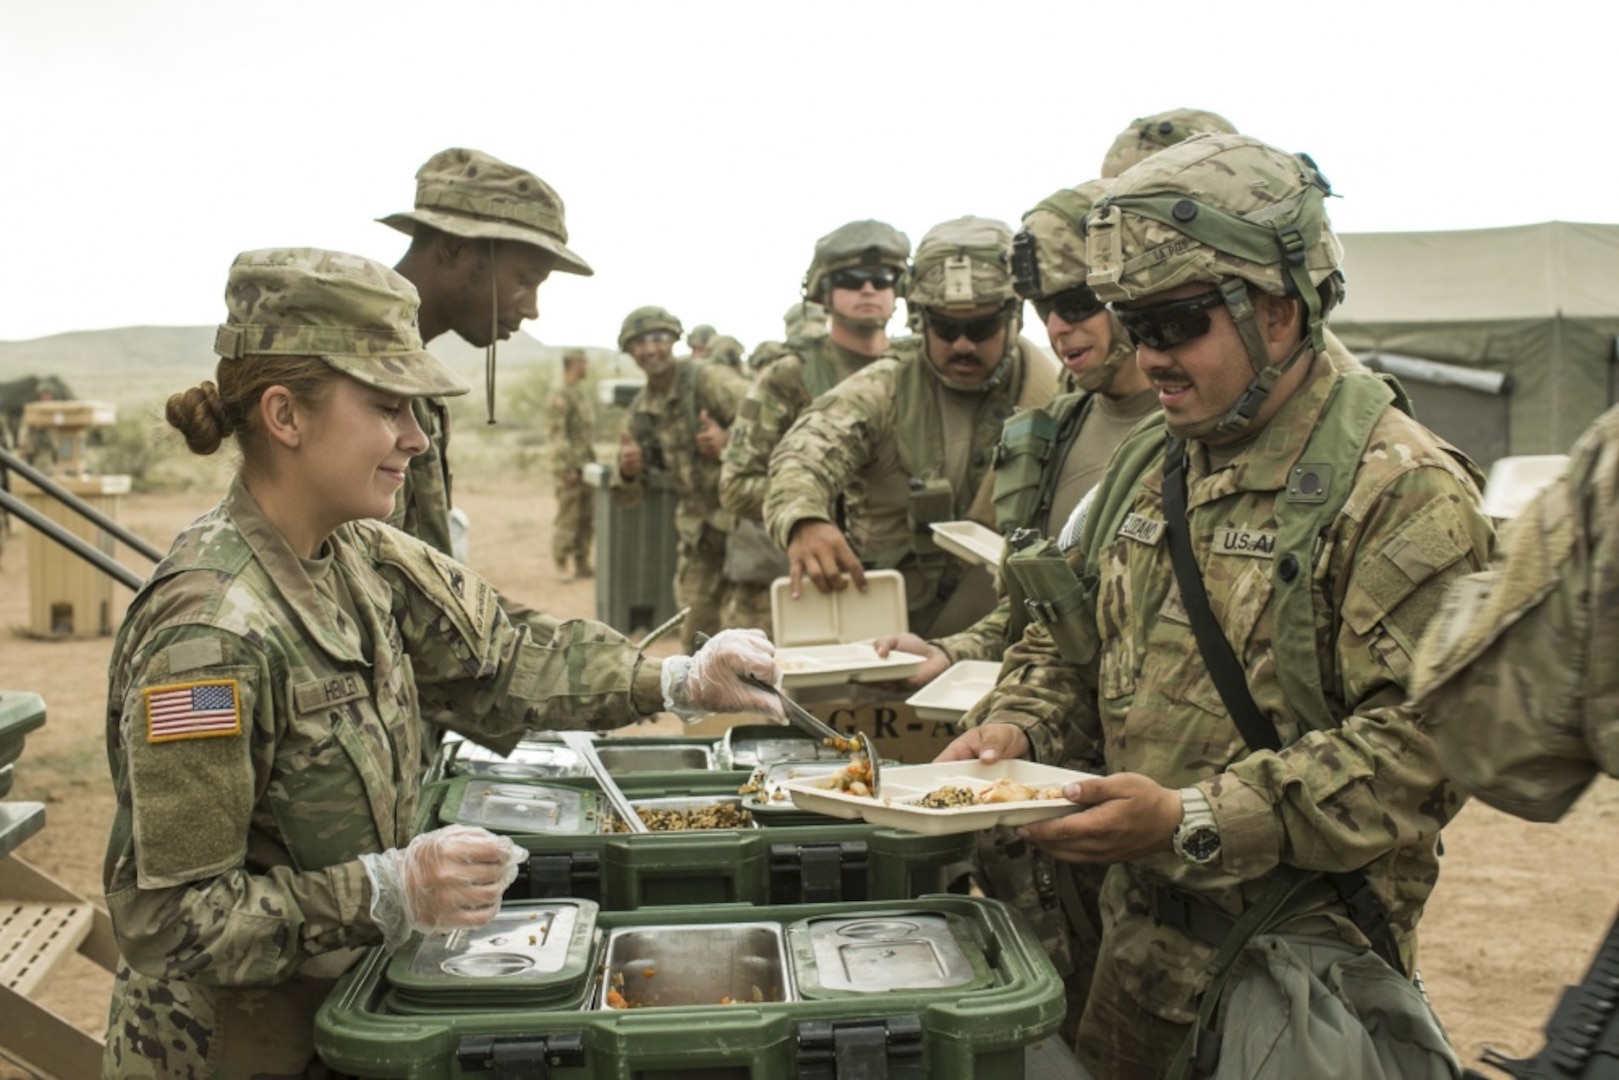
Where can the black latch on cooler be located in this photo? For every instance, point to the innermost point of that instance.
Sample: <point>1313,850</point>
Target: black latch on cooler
<point>575,874</point>
<point>817,873</point>
<point>875,1049</point>
<point>520,1057</point>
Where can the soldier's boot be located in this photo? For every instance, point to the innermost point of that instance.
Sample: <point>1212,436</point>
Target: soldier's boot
<point>562,569</point>
<point>582,561</point>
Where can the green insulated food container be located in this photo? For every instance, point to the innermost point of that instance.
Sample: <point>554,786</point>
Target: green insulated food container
<point>936,988</point>
<point>770,859</point>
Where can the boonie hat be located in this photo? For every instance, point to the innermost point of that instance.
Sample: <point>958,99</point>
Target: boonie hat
<point>357,315</point>
<point>470,194</point>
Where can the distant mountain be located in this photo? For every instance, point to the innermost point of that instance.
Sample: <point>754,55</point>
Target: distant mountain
<point>138,364</point>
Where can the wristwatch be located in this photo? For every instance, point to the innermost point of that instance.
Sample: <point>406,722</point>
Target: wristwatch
<point>1197,838</point>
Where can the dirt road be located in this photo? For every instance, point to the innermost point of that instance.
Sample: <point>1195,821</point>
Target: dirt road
<point>1517,912</point>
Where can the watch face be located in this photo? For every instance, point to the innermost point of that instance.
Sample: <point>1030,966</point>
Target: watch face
<point>1201,844</point>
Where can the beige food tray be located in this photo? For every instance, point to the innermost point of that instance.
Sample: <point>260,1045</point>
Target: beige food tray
<point>823,639</point>
<point>829,665</point>
<point>950,695</point>
<point>1515,480</point>
<point>904,786</point>
<point>970,540</point>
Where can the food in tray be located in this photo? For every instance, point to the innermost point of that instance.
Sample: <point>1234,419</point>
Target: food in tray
<point>855,777</point>
<point>799,663</point>
<point>1004,790</point>
<point>727,815</point>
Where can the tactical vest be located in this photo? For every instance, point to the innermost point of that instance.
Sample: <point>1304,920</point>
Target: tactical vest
<point>919,434</point>
<point>1317,489</point>
<point>1027,467</point>
<point>821,374</point>
<point>641,430</point>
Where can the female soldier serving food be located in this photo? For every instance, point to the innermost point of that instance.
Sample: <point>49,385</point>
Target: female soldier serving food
<point>266,683</point>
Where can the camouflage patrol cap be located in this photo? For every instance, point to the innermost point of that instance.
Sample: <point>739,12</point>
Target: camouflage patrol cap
<point>575,356</point>
<point>1048,253</point>
<point>700,335</point>
<point>470,194</point>
<point>962,264</point>
<point>357,315</point>
<point>859,243</point>
<point>644,320</point>
<point>1216,208</point>
<point>1150,134</point>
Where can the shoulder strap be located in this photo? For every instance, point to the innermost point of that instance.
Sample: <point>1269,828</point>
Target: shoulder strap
<point>1365,909</point>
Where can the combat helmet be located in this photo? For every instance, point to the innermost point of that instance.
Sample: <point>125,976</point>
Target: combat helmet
<point>859,243</point>
<point>963,263</point>
<point>1230,210</point>
<point>645,320</point>
<point>700,335</point>
<point>1049,268</point>
<point>1150,134</point>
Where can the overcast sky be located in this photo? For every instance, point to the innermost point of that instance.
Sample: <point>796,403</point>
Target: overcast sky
<point>702,146</point>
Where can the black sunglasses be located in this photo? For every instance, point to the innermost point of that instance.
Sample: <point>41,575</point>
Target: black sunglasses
<point>1164,326</point>
<point>879,278</point>
<point>1071,305</point>
<point>977,330</point>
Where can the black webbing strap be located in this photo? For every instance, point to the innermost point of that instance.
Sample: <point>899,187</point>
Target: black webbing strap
<point>1365,909</point>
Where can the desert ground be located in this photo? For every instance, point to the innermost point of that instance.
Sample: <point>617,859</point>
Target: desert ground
<point>1517,913</point>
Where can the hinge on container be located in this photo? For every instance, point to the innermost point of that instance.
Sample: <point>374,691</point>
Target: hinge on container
<point>817,873</point>
<point>568,874</point>
<point>886,1048</point>
<point>519,1057</point>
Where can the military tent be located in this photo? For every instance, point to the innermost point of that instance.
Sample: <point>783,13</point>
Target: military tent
<point>1505,338</point>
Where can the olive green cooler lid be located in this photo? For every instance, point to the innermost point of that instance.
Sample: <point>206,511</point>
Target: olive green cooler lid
<point>515,807</point>
<point>532,952</point>
<point>19,714</point>
<point>887,952</point>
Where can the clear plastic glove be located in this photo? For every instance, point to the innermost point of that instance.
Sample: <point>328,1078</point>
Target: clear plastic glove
<point>443,880</point>
<point>711,681</point>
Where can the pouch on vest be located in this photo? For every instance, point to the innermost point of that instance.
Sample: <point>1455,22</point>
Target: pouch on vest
<point>932,499</point>
<point>1055,597</point>
<point>1021,458</point>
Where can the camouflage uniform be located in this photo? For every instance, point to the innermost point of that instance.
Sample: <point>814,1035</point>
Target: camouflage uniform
<point>881,437</point>
<point>1357,783</point>
<point>469,194</point>
<point>1516,676</point>
<point>807,366</point>
<point>262,720</point>
<point>572,432</point>
<point>664,424</point>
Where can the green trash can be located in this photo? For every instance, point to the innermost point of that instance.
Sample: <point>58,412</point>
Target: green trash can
<point>778,857</point>
<point>936,988</point>
<point>635,553</point>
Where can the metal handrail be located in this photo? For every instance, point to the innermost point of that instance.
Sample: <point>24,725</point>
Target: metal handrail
<point>62,495</point>
<point>76,544</point>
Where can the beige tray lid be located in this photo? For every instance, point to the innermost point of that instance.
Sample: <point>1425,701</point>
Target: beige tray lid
<point>818,618</point>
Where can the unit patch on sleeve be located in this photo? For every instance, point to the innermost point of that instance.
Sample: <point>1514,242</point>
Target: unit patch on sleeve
<point>193,710</point>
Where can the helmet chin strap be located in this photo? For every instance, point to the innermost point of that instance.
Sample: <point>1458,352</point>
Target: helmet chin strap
<point>1098,379</point>
<point>494,336</point>
<point>1266,374</point>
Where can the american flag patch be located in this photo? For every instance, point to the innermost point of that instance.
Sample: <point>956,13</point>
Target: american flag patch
<point>192,711</point>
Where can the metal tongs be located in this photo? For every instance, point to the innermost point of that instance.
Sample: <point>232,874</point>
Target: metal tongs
<point>584,744</point>
<point>804,720</point>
